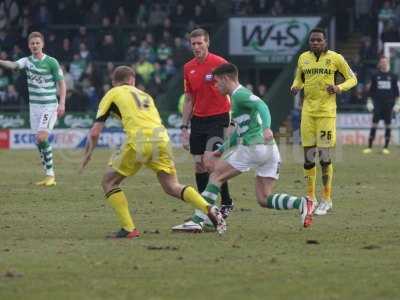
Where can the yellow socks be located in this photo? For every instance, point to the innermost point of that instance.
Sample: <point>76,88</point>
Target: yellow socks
<point>119,203</point>
<point>310,177</point>
<point>191,196</point>
<point>327,174</point>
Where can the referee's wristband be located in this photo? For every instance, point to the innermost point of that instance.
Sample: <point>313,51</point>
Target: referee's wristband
<point>184,127</point>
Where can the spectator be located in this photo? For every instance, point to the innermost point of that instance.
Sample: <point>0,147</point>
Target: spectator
<point>362,10</point>
<point>163,53</point>
<point>83,36</point>
<point>109,50</point>
<point>167,26</point>
<point>42,18</point>
<point>121,17</point>
<point>76,12</point>
<point>146,51</point>
<point>94,16</point>
<point>155,86</point>
<point>250,87</point>
<point>85,53</point>
<point>179,16</point>
<point>145,69</point>
<point>90,93</point>
<point>199,16</point>
<point>210,10</point>
<point>3,55</point>
<point>109,71</point>
<point>157,15</point>
<point>69,82</point>
<point>367,51</point>
<point>61,13</point>
<point>170,69</point>
<point>390,32</point>
<point>261,7</point>
<point>3,18</point>
<point>4,80</point>
<point>11,11</point>
<point>142,14</point>
<point>262,91</point>
<point>12,97</point>
<point>77,67</point>
<point>93,75</point>
<point>17,53</point>
<point>52,44</point>
<point>6,41</point>
<point>386,13</point>
<point>131,54</point>
<point>167,38</point>
<point>65,53</point>
<point>180,53</point>
<point>276,9</point>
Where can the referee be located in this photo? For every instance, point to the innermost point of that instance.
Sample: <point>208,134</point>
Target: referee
<point>208,113</point>
<point>382,101</point>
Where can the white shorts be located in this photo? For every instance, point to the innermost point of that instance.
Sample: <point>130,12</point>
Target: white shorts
<point>265,159</point>
<point>42,116</point>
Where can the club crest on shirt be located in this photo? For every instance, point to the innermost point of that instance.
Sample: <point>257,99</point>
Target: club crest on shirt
<point>327,62</point>
<point>208,77</point>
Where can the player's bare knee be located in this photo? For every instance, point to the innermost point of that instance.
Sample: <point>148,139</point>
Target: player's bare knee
<point>217,177</point>
<point>199,167</point>
<point>41,137</point>
<point>108,183</point>
<point>105,184</point>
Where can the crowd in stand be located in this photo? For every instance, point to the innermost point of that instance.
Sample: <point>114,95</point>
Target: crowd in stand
<point>90,38</point>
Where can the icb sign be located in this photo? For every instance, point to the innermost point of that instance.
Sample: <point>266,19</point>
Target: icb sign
<point>275,39</point>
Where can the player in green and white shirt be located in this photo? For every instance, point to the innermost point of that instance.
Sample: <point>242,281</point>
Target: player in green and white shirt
<point>43,76</point>
<point>251,146</point>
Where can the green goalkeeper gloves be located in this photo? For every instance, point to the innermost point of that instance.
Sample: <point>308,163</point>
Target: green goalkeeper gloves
<point>396,107</point>
<point>370,104</point>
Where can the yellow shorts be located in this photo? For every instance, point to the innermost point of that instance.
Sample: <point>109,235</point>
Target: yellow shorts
<point>318,131</point>
<point>155,155</point>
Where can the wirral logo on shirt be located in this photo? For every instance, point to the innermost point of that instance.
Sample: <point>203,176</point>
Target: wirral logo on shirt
<point>315,71</point>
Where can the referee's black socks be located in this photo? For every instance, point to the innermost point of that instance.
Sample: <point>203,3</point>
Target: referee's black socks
<point>225,196</point>
<point>387,136</point>
<point>201,181</point>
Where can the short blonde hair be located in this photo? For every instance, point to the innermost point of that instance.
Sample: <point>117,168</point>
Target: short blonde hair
<point>35,34</point>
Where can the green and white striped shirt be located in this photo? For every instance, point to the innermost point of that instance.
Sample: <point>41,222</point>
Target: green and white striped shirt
<point>42,75</point>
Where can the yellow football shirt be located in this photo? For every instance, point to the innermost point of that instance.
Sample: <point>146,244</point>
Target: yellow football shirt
<point>137,112</point>
<point>314,74</point>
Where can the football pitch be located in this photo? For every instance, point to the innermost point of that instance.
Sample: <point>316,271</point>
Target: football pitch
<point>52,243</point>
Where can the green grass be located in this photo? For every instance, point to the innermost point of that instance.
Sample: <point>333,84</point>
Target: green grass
<point>52,242</point>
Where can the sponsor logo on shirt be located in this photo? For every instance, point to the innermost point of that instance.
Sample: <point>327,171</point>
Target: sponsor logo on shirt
<point>208,77</point>
<point>327,62</point>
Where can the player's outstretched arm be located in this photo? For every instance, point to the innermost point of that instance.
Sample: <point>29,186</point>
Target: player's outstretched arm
<point>8,64</point>
<point>91,143</point>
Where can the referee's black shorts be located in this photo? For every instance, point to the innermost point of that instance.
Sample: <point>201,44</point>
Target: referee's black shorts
<point>207,133</point>
<point>383,111</point>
